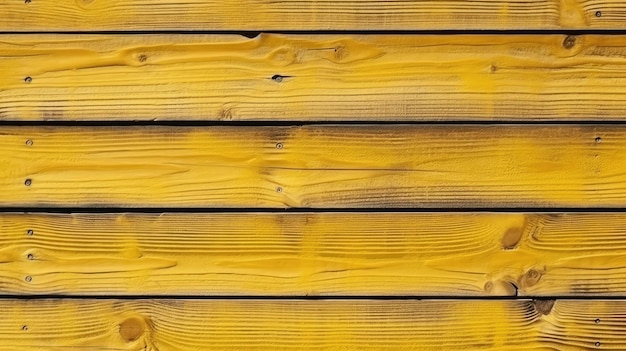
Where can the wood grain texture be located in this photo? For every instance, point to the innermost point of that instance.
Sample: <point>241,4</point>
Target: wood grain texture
<point>263,15</point>
<point>308,78</point>
<point>324,254</point>
<point>318,166</point>
<point>335,325</point>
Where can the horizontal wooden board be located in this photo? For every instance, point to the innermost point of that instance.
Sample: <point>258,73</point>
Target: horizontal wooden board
<point>306,254</point>
<point>335,325</point>
<point>263,15</point>
<point>307,78</point>
<point>316,166</point>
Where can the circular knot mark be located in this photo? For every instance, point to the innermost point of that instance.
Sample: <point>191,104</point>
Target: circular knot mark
<point>132,328</point>
<point>569,42</point>
<point>543,307</point>
<point>511,238</point>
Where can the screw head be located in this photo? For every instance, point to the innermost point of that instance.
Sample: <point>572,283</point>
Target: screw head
<point>24,327</point>
<point>598,140</point>
<point>598,13</point>
<point>30,257</point>
<point>28,182</point>
<point>279,146</point>
<point>28,79</point>
<point>28,278</point>
<point>30,232</point>
<point>29,142</point>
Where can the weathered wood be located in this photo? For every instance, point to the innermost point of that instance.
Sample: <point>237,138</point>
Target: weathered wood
<point>190,325</point>
<point>426,254</point>
<point>332,166</point>
<point>259,15</point>
<point>299,77</point>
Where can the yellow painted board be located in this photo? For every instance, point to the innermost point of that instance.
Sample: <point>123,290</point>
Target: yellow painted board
<point>312,77</point>
<point>333,325</point>
<point>259,15</point>
<point>315,166</point>
<point>314,254</point>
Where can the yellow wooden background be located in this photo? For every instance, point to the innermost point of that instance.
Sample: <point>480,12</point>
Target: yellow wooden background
<point>341,175</point>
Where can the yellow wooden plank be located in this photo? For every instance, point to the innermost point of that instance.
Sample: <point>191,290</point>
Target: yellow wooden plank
<point>332,166</point>
<point>300,77</point>
<point>334,325</point>
<point>426,254</point>
<point>64,15</point>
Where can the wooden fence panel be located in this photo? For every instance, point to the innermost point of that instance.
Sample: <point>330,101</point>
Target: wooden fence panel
<point>190,325</point>
<point>314,254</point>
<point>331,166</point>
<point>266,15</point>
<point>312,77</point>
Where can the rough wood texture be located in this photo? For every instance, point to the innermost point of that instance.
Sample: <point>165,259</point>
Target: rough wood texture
<point>273,77</point>
<point>332,166</point>
<point>429,325</point>
<point>453,254</point>
<point>263,15</point>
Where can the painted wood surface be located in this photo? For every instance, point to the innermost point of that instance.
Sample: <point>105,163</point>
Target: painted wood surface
<point>312,77</point>
<point>337,325</point>
<point>264,15</point>
<point>315,166</point>
<point>314,254</point>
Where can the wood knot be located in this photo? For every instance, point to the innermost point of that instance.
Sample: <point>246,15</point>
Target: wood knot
<point>511,238</point>
<point>531,278</point>
<point>225,114</point>
<point>278,78</point>
<point>488,287</point>
<point>500,288</point>
<point>283,57</point>
<point>543,307</point>
<point>569,41</point>
<point>132,328</point>
<point>341,52</point>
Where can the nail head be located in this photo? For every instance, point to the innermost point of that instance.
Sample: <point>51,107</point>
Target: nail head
<point>279,190</point>
<point>598,13</point>
<point>28,79</point>
<point>28,182</point>
<point>30,232</point>
<point>31,257</point>
<point>279,146</point>
<point>598,140</point>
